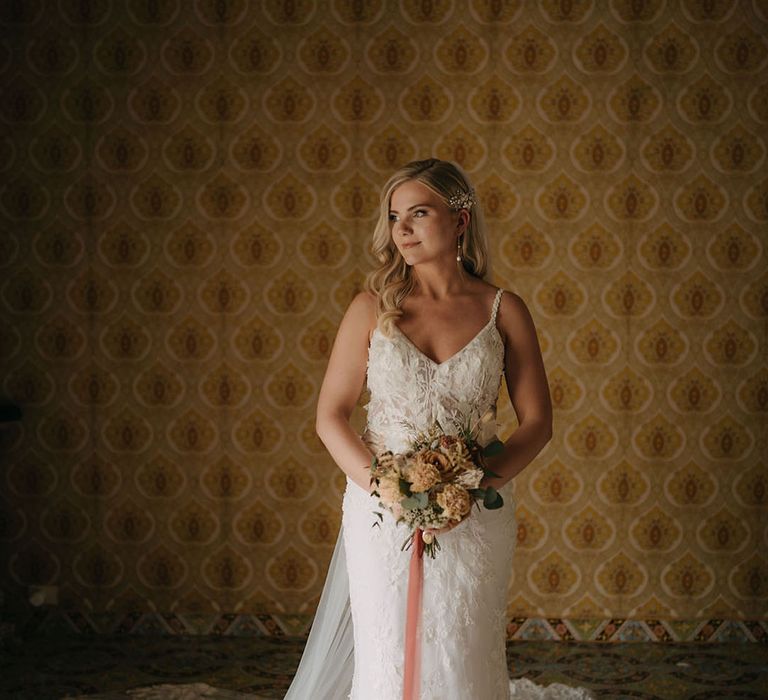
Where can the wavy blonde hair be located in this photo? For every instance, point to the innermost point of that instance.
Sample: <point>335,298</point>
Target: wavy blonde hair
<point>393,281</point>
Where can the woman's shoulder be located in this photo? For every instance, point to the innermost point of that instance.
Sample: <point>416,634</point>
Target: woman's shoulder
<point>508,297</point>
<point>364,300</point>
<point>513,317</point>
<point>363,306</point>
<point>508,300</point>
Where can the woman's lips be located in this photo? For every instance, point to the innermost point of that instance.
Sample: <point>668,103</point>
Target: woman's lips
<point>410,245</point>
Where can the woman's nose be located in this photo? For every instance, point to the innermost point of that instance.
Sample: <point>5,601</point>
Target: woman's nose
<point>403,226</point>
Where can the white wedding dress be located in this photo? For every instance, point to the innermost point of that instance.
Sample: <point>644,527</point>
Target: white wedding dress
<point>356,646</point>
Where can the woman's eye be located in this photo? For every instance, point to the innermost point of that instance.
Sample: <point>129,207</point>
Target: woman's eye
<point>419,212</point>
<point>392,217</point>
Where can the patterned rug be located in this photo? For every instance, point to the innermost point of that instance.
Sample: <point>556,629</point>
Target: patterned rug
<point>171,691</point>
<point>149,667</point>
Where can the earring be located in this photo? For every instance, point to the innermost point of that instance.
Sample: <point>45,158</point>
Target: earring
<point>458,249</point>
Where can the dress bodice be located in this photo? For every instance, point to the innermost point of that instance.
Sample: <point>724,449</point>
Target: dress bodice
<point>409,390</point>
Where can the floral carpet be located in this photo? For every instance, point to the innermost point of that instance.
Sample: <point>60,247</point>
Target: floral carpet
<point>102,667</point>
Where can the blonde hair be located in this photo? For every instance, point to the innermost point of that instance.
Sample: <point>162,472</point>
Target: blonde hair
<point>393,281</point>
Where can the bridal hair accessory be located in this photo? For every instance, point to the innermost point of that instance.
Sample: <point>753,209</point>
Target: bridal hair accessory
<point>462,199</point>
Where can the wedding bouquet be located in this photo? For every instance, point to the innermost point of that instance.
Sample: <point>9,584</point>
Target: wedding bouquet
<point>436,480</point>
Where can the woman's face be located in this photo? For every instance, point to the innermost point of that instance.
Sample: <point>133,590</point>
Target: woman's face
<point>421,224</point>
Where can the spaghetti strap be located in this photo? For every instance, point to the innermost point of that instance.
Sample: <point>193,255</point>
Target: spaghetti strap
<point>496,304</point>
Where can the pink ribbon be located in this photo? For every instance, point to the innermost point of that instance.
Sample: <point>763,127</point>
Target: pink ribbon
<point>413,619</point>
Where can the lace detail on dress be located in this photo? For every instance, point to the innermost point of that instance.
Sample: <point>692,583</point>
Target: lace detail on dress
<point>406,384</point>
<point>523,689</point>
<point>465,587</point>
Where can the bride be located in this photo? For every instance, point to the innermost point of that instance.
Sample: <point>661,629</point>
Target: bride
<point>432,338</point>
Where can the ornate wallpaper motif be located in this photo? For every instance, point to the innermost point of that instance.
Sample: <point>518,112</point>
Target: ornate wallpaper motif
<point>188,193</point>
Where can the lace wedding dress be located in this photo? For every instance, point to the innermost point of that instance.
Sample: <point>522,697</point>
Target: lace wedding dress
<point>356,646</point>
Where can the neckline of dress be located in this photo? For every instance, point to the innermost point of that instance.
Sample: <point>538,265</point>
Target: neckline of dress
<point>491,321</point>
<point>456,354</point>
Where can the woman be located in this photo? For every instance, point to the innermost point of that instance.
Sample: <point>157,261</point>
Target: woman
<point>433,339</point>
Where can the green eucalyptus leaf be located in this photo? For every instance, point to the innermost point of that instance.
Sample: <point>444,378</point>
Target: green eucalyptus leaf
<point>494,447</point>
<point>492,499</point>
<point>410,503</point>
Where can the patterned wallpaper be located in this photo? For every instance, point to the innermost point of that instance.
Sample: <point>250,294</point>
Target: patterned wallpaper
<point>188,194</point>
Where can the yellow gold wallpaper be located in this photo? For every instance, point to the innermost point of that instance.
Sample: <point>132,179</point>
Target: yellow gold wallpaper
<point>188,193</point>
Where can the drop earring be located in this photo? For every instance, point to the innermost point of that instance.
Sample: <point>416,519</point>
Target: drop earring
<point>458,249</point>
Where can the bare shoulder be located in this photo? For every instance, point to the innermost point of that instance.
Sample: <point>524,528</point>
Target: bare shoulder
<point>363,304</point>
<point>365,298</point>
<point>514,319</point>
<point>361,313</point>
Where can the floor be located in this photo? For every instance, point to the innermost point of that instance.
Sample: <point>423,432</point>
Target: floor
<point>66,666</point>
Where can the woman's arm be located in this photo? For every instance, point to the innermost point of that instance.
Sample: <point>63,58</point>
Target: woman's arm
<point>528,390</point>
<point>341,389</point>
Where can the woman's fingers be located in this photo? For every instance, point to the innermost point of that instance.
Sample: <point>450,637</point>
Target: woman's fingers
<point>446,528</point>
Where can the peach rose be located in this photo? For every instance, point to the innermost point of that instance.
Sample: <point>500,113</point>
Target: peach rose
<point>423,475</point>
<point>440,461</point>
<point>455,501</point>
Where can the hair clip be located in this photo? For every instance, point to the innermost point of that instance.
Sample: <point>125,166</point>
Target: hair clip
<point>462,200</point>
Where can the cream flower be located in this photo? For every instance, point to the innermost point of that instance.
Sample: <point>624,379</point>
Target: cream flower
<point>470,478</point>
<point>455,501</point>
<point>389,489</point>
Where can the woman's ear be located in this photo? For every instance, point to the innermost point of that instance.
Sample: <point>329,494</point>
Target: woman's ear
<point>462,221</point>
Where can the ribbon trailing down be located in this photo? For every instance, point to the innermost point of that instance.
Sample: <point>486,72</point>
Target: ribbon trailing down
<point>411,681</point>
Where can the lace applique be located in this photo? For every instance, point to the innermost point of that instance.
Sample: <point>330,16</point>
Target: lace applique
<point>406,384</point>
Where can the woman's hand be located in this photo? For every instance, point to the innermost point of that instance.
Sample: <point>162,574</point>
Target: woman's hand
<point>447,528</point>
